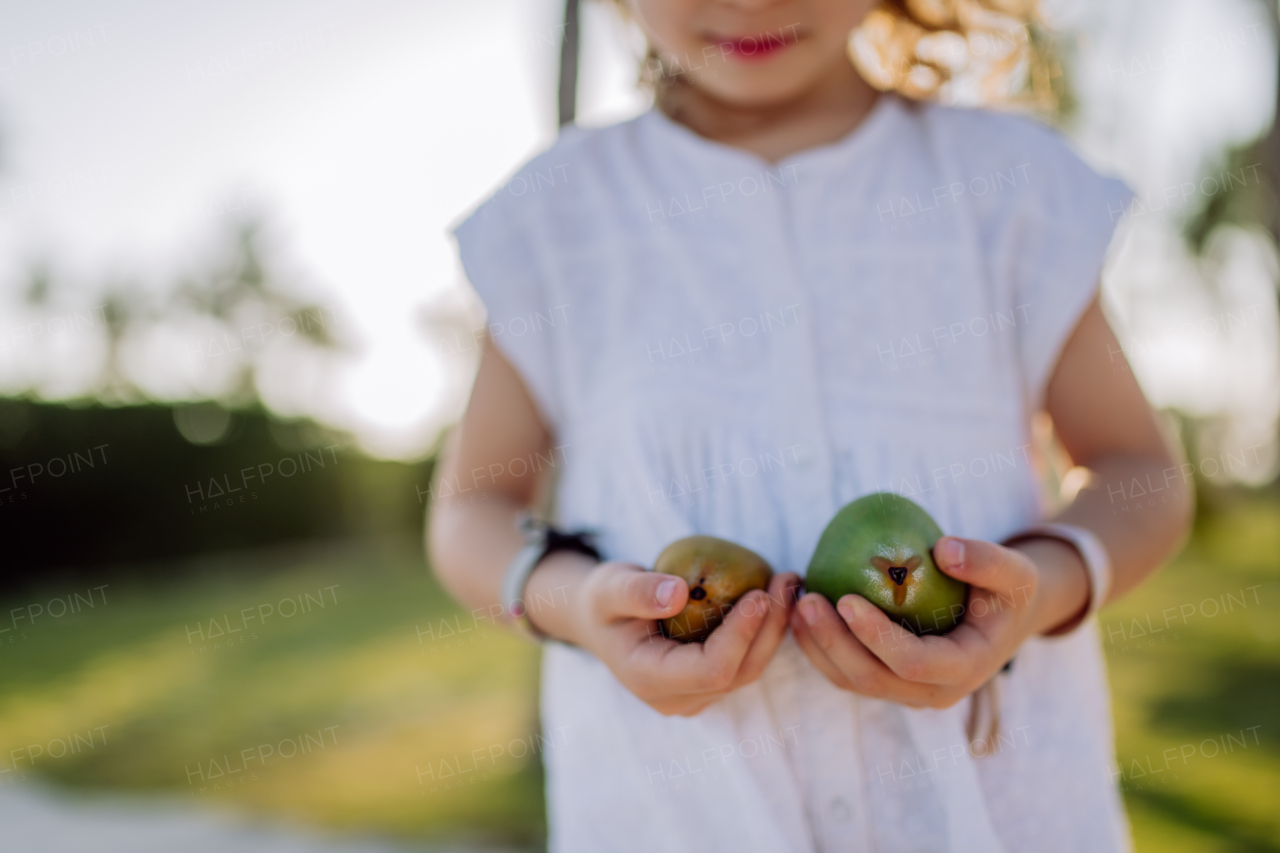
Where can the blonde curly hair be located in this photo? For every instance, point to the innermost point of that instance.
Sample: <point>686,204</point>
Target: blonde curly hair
<point>993,52</point>
<point>981,51</point>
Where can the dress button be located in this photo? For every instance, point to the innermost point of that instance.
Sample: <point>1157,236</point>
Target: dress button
<point>804,456</point>
<point>839,810</point>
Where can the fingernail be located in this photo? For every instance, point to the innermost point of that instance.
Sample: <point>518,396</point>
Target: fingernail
<point>808,612</point>
<point>666,592</point>
<point>847,610</point>
<point>953,552</point>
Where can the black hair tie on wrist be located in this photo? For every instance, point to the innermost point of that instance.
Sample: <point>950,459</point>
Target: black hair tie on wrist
<point>579,542</point>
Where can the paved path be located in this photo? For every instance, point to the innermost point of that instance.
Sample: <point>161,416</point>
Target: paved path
<point>39,819</point>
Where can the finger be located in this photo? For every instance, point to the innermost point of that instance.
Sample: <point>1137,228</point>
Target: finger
<point>950,659</point>
<point>866,673</point>
<point>781,599</point>
<point>625,591</point>
<point>681,706</point>
<point>985,565</point>
<point>665,667</point>
<point>815,654</point>
<point>726,649</point>
<point>758,620</point>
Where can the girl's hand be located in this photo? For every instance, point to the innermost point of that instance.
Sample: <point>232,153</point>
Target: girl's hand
<point>1014,594</point>
<point>618,605</point>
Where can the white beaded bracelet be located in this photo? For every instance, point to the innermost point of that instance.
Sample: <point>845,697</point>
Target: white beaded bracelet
<point>541,540</point>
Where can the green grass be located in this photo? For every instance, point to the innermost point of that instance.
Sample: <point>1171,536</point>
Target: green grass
<point>403,702</point>
<point>1208,679</point>
<point>173,703</point>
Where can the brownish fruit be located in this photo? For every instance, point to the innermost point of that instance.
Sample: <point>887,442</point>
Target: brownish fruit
<point>718,574</point>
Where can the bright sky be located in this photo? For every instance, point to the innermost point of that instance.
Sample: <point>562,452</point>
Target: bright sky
<point>364,128</point>
<point>1165,87</point>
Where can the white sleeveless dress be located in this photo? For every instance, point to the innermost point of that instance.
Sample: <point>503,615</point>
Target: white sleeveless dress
<point>736,348</point>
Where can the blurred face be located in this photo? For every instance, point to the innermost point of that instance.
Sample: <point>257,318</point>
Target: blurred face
<point>751,52</point>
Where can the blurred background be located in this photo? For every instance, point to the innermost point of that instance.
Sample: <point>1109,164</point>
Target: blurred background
<point>233,330</point>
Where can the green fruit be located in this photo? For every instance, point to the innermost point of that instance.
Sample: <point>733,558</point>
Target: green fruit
<point>718,574</point>
<point>881,547</point>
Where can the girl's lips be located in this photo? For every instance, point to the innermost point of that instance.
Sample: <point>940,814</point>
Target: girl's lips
<point>755,48</point>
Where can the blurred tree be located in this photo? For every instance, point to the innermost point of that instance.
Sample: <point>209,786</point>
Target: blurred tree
<point>218,319</point>
<point>93,491</point>
<point>1257,203</point>
<point>228,302</point>
<point>150,494</point>
<point>1252,203</point>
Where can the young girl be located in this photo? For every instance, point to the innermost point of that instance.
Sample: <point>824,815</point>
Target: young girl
<point>776,291</point>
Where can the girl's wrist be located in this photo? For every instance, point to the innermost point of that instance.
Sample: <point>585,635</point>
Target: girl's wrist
<point>1062,591</point>
<point>551,594</point>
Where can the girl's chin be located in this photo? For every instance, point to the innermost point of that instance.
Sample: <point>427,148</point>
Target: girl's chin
<point>753,90</point>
